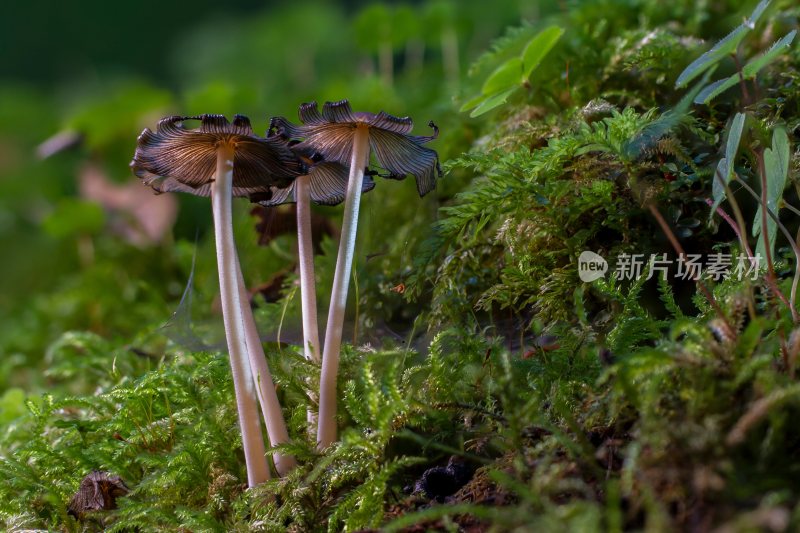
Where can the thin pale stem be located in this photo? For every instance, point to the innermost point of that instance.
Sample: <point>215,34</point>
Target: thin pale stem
<point>265,387</point>
<point>326,430</point>
<point>791,208</point>
<point>771,281</point>
<point>737,212</point>
<point>308,294</point>
<point>732,223</point>
<point>243,384</point>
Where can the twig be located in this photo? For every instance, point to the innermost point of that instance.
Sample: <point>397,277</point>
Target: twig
<point>678,248</point>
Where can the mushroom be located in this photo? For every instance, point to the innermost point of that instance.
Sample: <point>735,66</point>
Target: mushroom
<point>342,136</point>
<point>223,160</point>
<point>324,183</point>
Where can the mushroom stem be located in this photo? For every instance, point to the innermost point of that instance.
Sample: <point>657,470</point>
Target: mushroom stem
<point>243,383</point>
<point>359,159</point>
<point>265,387</point>
<point>308,294</point>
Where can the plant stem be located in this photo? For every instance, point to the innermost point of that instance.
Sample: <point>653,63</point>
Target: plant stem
<point>771,280</point>
<point>678,248</point>
<point>243,384</point>
<point>737,212</point>
<point>265,387</point>
<point>308,295</point>
<point>326,430</point>
<point>791,208</point>
<point>732,223</point>
<point>742,84</point>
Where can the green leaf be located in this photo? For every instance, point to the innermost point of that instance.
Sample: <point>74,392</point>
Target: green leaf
<point>712,90</point>
<point>748,72</point>
<point>717,187</point>
<point>755,65</point>
<point>734,137</point>
<point>724,47</point>
<point>510,75</point>
<point>472,103</point>
<point>506,76</point>
<point>725,166</point>
<point>538,47</point>
<point>491,102</point>
<point>776,165</point>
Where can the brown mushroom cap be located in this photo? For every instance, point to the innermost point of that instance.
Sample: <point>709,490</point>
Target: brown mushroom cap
<point>175,158</point>
<point>327,179</point>
<point>327,185</point>
<point>331,134</point>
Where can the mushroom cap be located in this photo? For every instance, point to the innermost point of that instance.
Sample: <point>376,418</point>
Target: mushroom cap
<point>327,179</point>
<point>327,186</point>
<point>178,159</point>
<point>331,132</point>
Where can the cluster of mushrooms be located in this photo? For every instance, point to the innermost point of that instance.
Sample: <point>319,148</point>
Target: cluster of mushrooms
<point>326,159</point>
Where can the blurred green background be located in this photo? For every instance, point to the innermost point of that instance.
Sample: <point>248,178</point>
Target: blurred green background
<point>88,248</point>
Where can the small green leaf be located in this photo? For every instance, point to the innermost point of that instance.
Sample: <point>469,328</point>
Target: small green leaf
<point>538,48</point>
<point>748,72</point>
<point>776,164</point>
<point>506,76</point>
<point>755,65</point>
<point>717,187</point>
<point>724,47</point>
<point>472,103</point>
<point>725,166</point>
<point>714,89</point>
<point>513,73</point>
<point>491,102</point>
<point>734,137</point>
